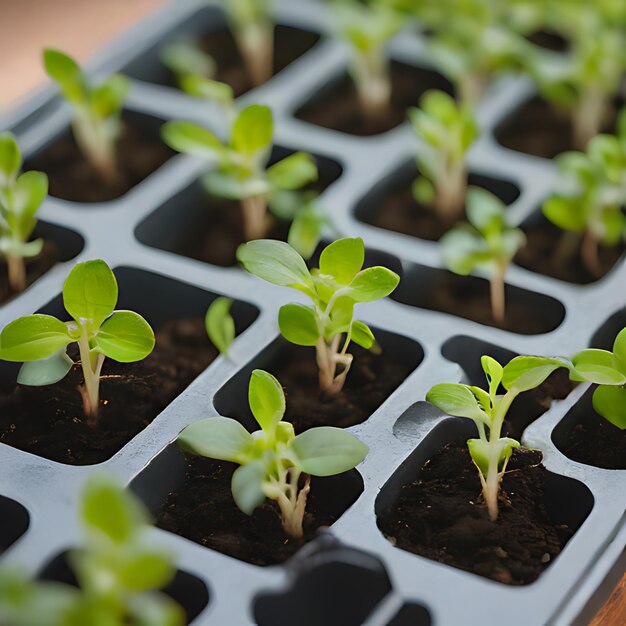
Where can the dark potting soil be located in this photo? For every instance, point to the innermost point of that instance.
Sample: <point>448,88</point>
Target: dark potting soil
<point>49,421</point>
<point>338,107</point>
<point>440,515</point>
<point>594,441</point>
<point>202,509</point>
<point>72,177</point>
<point>35,268</point>
<point>371,380</point>
<point>289,44</point>
<point>549,40</point>
<point>542,254</point>
<point>537,128</point>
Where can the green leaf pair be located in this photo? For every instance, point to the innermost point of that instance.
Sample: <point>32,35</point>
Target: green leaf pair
<point>334,289</point>
<point>272,459</point>
<point>89,295</point>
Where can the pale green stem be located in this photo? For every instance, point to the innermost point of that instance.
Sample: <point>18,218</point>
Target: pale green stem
<point>496,290</point>
<point>588,116</point>
<point>256,44</point>
<point>372,78</point>
<point>291,501</point>
<point>91,366</point>
<point>451,190</point>
<point>96,143</point>
<point>254,217</point>
<point>17,273</point>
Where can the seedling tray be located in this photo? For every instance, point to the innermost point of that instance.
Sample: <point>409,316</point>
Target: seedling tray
<point>351,574</point>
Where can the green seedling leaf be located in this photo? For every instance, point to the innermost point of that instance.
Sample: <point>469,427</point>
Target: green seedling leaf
<point>32,338</point>
<point>125,337</point>
<point>220,325</point>
<point>306,231</point>
<point>457,400</point>
<point>326,451</point>
<point>10,158</point>
<point>619,346</point>
<point>247,486</point>
<point>610,402</point>
<point>45,371</point>
<point>600,366</point>
<point>192,139</point>
<point>494,372</point>
<point>372,284</point>
<point>90,293</point>
<point>362,335</point>
<point>484,209</point>
<point>267,399</point>
<point>298,325</point>
<point>527,372</point>
<point>293,172</point>
<point>184,58</point>
<point>199,87</point>
<point>253,129</point>
<point>220,438</point>
<point>482,451</point>
<point>343,259</point>
<point>145,570</point>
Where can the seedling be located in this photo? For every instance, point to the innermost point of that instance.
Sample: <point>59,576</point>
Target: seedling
<point>40,341</point>
<point>252,24</point>
<point>447,131</point>
<point>274,462</point>
<point>118,574</point>
<point>195,70</point>
<point>488,242</point>
<point>220,325</point>
<point>593,194</point>
<point>608,370</point>
<point>241,167</point>
<point>96,125</point>
<point>585,81</point>
<point>488,409</point>
<point>333,289</point>
<point>20,197</point>
<point>367,26</point>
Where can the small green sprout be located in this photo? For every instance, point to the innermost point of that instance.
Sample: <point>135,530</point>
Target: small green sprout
<point>274,462</point>
<point>367,26</point>
<point>20,197</point>
<point>40,341</point>
<point>608,370</point>
<point>118,574</point>
<point>594,193</point>
<point>241,167</point>
<point>585,81</point>
<point>333,289</point>
<point>195,71</point>
<point>252,24</point>
<point>488,241</point>
<point>447,130</point>
<point>220,325</point>
<point>488,410</point>
<point>97,125</point>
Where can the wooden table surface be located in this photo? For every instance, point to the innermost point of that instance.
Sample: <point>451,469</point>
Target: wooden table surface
<point>81,27</point>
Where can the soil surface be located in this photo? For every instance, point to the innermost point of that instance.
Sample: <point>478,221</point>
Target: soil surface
<point>35,268</point>
<point>49,421</point>
<point>289,44</point>
<point>202,509</point>
<point>549,40</point>
<point>594,441</point>
<point>537,128</point>
<point>440,515</point>
<point>545,252</point>
<point>337,106</point>
<point>371,380</point>
<point>72,177</point>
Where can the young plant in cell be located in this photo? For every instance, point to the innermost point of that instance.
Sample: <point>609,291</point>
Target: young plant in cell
<point>584,82</point>
<point>447,131</point>
<point>334,289</point>
<point>593,195</point>
<point>241,171</point>
<point>608,370</point>
<point>252,25</point>
<point>195,71</point>
<point>488,409</point>
<point>220,325</point>
<point>274,462</point>
<point>97,125</point>
<point>20,197</point>
<point>40,341</point>
<point>367,26</point>
<point>488,242</point>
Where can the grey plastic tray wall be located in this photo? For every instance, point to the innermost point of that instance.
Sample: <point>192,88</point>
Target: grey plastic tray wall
<point>49,490</point>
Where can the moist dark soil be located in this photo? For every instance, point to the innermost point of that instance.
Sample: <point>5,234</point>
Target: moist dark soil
<point>49,421</point>
<point>371,380</point>
<point>545,253</point>
<point>594,441</point>
<point>202,509</point>
<point>337,107</point>
<point>534,403</point>
<point>35,268</point>
<point>72,177</point>
<point>441,516</point>
<point>537,128</point>
<point>549,40</point>
<point>289,44</point>
<point>460,297</point>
